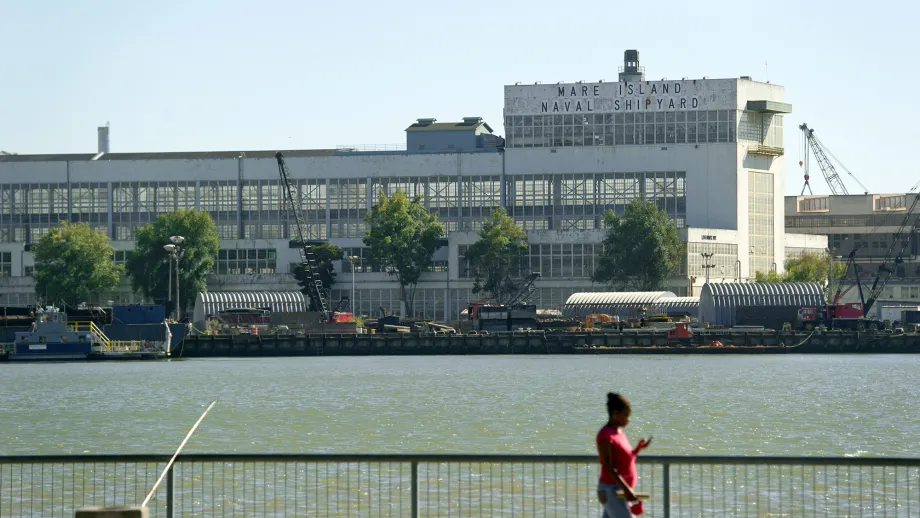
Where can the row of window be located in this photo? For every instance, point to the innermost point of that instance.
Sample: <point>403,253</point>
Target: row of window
<point>537,202</point>
<point>871,245</point>
<point>680,127</point>
<point>437,193</point>
<point>561,260</point>
<point>882,203</point>
<point>890,219</point>
<point>760,221</point>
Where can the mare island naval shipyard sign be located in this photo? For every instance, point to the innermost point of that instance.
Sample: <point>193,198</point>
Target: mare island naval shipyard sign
<point>632,96</point>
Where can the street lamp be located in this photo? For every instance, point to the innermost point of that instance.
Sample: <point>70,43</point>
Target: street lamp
<point>706,257</point>
<point>174,248</point>
<point>352,259</point>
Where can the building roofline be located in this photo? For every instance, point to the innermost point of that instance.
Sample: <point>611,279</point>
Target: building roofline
<point>216,155</point>
<point>665,80</point>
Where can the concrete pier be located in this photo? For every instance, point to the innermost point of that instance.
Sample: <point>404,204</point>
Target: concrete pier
<point>537,342</point>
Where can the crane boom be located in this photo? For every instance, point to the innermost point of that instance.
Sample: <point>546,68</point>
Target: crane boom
<point>827,168</point>
<point>315,290</point>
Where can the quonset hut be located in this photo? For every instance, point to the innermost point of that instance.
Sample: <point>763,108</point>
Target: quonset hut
<point>669,305</point>
<point>212,303</point>
<point>720,302</point>
<point>625,304</point>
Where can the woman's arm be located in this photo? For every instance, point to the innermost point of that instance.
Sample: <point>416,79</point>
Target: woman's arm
<point>606,454</point>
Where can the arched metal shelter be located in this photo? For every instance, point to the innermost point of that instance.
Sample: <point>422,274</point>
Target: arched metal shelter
<point>666,305</point>
<point>719,301</point>
<point>211,303</point>
<point>625,304</point>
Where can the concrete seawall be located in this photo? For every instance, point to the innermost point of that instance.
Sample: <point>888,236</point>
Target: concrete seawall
<point>544,343</point>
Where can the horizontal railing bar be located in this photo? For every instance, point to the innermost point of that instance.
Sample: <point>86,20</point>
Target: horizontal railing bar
<point>431,458</point>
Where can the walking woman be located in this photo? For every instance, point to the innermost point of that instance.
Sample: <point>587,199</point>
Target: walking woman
<point>618,460</point>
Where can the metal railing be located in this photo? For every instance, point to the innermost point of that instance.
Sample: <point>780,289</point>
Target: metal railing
<point>455,485</point>
<point>88,326</point>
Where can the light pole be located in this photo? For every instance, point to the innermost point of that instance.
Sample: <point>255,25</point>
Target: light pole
<point>352,259</point>
<point>706,257</point>
<point>175,251</point>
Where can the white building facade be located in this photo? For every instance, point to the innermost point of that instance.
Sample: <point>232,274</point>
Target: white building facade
<point>709,152</point>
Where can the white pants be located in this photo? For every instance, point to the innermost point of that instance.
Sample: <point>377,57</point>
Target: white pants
<point>614,507</point>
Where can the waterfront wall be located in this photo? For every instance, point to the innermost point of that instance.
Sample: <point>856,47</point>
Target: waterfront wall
<point>626,342</point>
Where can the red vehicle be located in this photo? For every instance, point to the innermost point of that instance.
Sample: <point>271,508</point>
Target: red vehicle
<point>850,315</point>
<point>680,334</point>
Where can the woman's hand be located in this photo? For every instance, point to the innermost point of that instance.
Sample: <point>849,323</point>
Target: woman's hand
<point>629,494</point>
<point>643,444</point>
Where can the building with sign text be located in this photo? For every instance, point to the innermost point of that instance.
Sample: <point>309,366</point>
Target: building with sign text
<point>707,151</point>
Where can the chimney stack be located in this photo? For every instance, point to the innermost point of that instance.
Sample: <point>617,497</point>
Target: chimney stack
<point>103,132</point>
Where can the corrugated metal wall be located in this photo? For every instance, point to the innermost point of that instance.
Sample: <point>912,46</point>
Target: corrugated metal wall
<point>666,305</point>
<point>210,303</point>
<point>720,300</point>
<point>625,304</point>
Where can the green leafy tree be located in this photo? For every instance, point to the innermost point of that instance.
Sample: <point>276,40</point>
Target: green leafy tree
<point>808,267</point>
<point>149,264</point>
<point>497,258</point>
<point>325,254</point>
<point>74,263</point>
<point>641,248</point>
<point>402,236</point>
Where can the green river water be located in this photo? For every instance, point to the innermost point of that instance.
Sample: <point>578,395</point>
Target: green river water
<point>835,405</point>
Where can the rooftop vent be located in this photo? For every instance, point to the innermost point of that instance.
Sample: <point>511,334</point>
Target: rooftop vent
<point>746,77</point>
<point>426,122</point>
<point>472,120</point>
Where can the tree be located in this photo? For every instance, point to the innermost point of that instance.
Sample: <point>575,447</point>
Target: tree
<point>641,248</point>
<point>325,254</point>
<point>497,258</point>
<point>73,262</point>
<point>149,264</point>
<point>808,267</point>
<point>402,236</point>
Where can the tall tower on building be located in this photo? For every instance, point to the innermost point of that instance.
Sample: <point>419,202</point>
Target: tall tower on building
<point>631,71</point>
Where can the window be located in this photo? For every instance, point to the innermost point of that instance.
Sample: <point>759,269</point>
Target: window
<point>6,264</point>
<point>244,261</point>
<point>891,202</point>
<point>814,204</point>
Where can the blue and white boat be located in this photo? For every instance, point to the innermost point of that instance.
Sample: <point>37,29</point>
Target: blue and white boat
<point>52,337</point>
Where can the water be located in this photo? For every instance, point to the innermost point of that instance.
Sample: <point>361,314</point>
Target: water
<point>693,405</point>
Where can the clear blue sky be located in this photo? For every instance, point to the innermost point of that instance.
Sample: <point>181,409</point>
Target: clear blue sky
<point>232,75</point>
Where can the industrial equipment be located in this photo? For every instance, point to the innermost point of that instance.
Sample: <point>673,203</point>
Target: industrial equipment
<point>827,168</point>
<point>316,292</point>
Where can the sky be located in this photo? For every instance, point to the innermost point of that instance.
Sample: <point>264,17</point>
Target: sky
<point>198,75</point>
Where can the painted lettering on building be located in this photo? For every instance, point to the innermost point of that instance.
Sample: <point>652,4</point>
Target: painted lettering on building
<point>618,97</point>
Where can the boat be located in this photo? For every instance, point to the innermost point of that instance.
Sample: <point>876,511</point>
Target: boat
<point>53,337</point>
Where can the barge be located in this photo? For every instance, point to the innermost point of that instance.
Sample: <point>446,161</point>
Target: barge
<point>53,337</point>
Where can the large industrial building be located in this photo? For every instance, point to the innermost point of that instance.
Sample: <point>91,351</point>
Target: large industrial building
<point>868,223</point>
<point>707,151</point>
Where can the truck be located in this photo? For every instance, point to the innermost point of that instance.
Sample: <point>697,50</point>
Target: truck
<point>850,316</point>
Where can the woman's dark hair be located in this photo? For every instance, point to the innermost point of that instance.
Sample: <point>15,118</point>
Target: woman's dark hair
<point>617,403</point>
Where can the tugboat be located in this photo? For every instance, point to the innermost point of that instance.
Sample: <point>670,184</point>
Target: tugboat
<point>53,338</point>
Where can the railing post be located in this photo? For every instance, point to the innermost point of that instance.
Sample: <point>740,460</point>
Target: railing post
<point>666,471</point>
<point>414,489</point>
<point>170,479</point>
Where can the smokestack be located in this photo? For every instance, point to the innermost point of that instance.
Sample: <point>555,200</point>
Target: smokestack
<point>103,132</point>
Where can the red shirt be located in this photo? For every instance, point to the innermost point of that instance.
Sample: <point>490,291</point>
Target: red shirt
<point>622,454</point>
